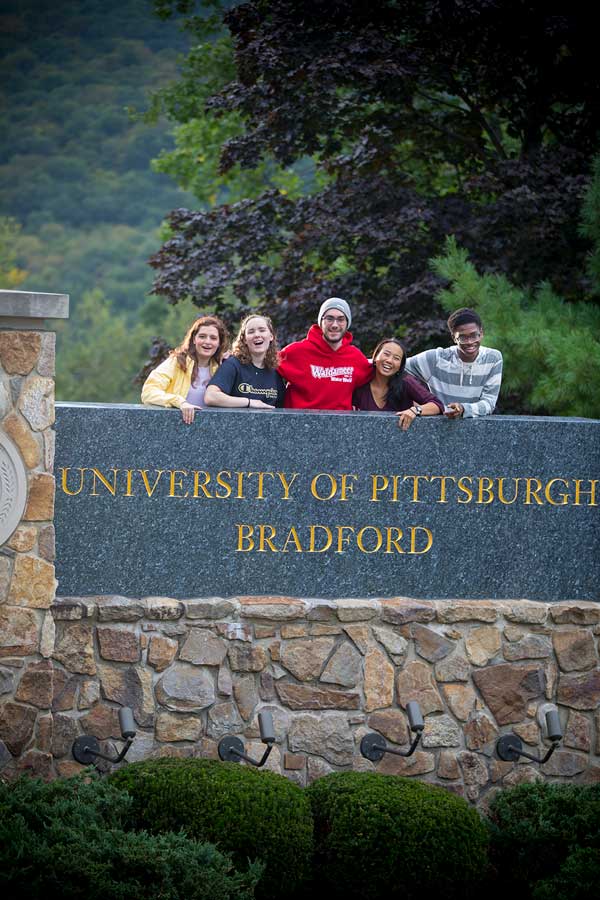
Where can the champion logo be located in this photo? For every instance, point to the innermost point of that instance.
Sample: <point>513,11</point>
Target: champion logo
<point>333,372</point>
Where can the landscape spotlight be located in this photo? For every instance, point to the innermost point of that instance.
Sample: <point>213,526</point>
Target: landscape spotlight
<point>86,749</point>
<point>231,749</point>
<point>373,746</point>
<point>510,747</point>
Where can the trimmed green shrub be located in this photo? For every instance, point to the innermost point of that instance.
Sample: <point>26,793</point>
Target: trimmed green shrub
<point>384,836</point>
<point>534,828</point>
<point>68,839</point>
<point>577,879</point>
<point>252,814</point>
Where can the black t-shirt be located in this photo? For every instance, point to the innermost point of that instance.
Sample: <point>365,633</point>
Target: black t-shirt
<point>245,380</point>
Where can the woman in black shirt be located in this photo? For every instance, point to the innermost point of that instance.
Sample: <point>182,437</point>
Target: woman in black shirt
<point>248,378</point>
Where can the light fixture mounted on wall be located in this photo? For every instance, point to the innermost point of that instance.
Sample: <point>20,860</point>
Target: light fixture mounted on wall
<point>373,746</point>
<point>510,747</point>
<point>86,749</point>
<point>231,749</point>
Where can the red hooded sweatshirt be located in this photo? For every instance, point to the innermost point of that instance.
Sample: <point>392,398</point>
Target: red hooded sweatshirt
<point>320,377</point>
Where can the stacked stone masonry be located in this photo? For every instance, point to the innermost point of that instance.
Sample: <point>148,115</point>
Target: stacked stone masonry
<point>27,583</point>
<point>329,671</point>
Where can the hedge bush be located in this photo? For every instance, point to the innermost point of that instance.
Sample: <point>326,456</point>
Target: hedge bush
<point>385,836</point>
<point>253,814</point>
<point>535,827</point>
<point>577,879</point>
<point>69,839</point>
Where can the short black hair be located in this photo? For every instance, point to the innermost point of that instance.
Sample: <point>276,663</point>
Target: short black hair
<point>463,316</point>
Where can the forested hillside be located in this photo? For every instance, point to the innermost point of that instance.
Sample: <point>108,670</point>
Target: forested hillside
<point>75,174</point>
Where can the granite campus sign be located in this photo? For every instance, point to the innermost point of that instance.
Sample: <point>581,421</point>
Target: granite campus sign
<point>325,505</point>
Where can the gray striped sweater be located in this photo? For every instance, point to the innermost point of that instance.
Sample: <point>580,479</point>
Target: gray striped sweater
<point>476,385</point>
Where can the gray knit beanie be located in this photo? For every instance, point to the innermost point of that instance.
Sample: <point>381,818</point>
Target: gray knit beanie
<point>335,303</point>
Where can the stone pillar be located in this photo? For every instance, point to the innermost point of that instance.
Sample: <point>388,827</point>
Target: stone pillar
<point>27,583</point>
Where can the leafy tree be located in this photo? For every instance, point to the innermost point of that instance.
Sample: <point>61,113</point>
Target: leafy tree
<point>199,136</point>
<point>11,275</point>
<point>475,118</point>
<point>590,225</point>
<point>97,353</point>
<point>109,257</point>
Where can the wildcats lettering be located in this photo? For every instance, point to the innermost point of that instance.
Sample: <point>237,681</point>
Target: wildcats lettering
<point>334,373</point>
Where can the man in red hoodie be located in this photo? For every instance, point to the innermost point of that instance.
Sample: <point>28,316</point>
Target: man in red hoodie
<point>325,368</point>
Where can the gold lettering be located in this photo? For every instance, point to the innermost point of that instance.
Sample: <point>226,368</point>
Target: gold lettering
<point>395,480</point>
<point>263,539</point>
<point>342,538</point>
<point>201,487</point>
<point>245,536</point>
<point>592,491</point>
<point>261,479</point>
<point>332,486</point>
<point>375,481</point>
<point>501,496</point>
<point>378,535</point>
<point>347,487</point>
<point>564,497</point>
<point>466,490</point>
<point>65,475</point>
<point>144,474</point>
<point>175,482</point>
<point>393,541</point>
<point>443,479</point>
<point>128,492</point>
<point>416,479</point>
<point>240,487</point>
<point>224,484</point>
<point>529,493</point>
<point>111,488</point>
<point>312,530</point>
<point>413,539</point>
<point>485,485</point>
<point>293,539</point>
<point>287,484</point>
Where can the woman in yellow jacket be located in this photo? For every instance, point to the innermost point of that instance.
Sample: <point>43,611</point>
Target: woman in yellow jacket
<point>182,378</point>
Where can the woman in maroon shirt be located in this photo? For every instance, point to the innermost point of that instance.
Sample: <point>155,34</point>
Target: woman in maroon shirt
<point>390,390</point>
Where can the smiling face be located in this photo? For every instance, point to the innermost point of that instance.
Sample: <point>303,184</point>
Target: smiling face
<point>206,343</point>
<point>468,337</point>
<point>334,326</point>
<point>388,359</point>
<point>258,335</point>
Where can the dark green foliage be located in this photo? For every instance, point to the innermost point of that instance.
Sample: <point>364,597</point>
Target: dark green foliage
<point>534,828</point>
<point>383,836</point>
<point>69,839</point>
<point>577,879</point>
<point>74,165</point>
<point>251,814</point>
<point>590,225</point>
<point>69,151</point>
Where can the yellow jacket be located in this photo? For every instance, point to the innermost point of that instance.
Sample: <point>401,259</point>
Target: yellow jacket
<point>168,384</point>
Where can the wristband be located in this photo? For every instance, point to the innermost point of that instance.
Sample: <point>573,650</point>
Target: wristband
<point>248,407</point>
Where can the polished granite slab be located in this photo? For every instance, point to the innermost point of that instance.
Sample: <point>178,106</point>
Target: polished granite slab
<point>325,505</point>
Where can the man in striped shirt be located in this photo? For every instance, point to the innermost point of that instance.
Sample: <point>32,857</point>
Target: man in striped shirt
<point>465,377</point>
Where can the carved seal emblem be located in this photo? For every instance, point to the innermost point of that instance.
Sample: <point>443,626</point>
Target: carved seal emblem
<point>13,487</point>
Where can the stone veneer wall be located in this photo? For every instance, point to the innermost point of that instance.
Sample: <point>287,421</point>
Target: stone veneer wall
<point>27,583</point>
<point>329,671</point>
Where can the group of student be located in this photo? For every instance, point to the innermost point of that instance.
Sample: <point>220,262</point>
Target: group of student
<point>326,370</point>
